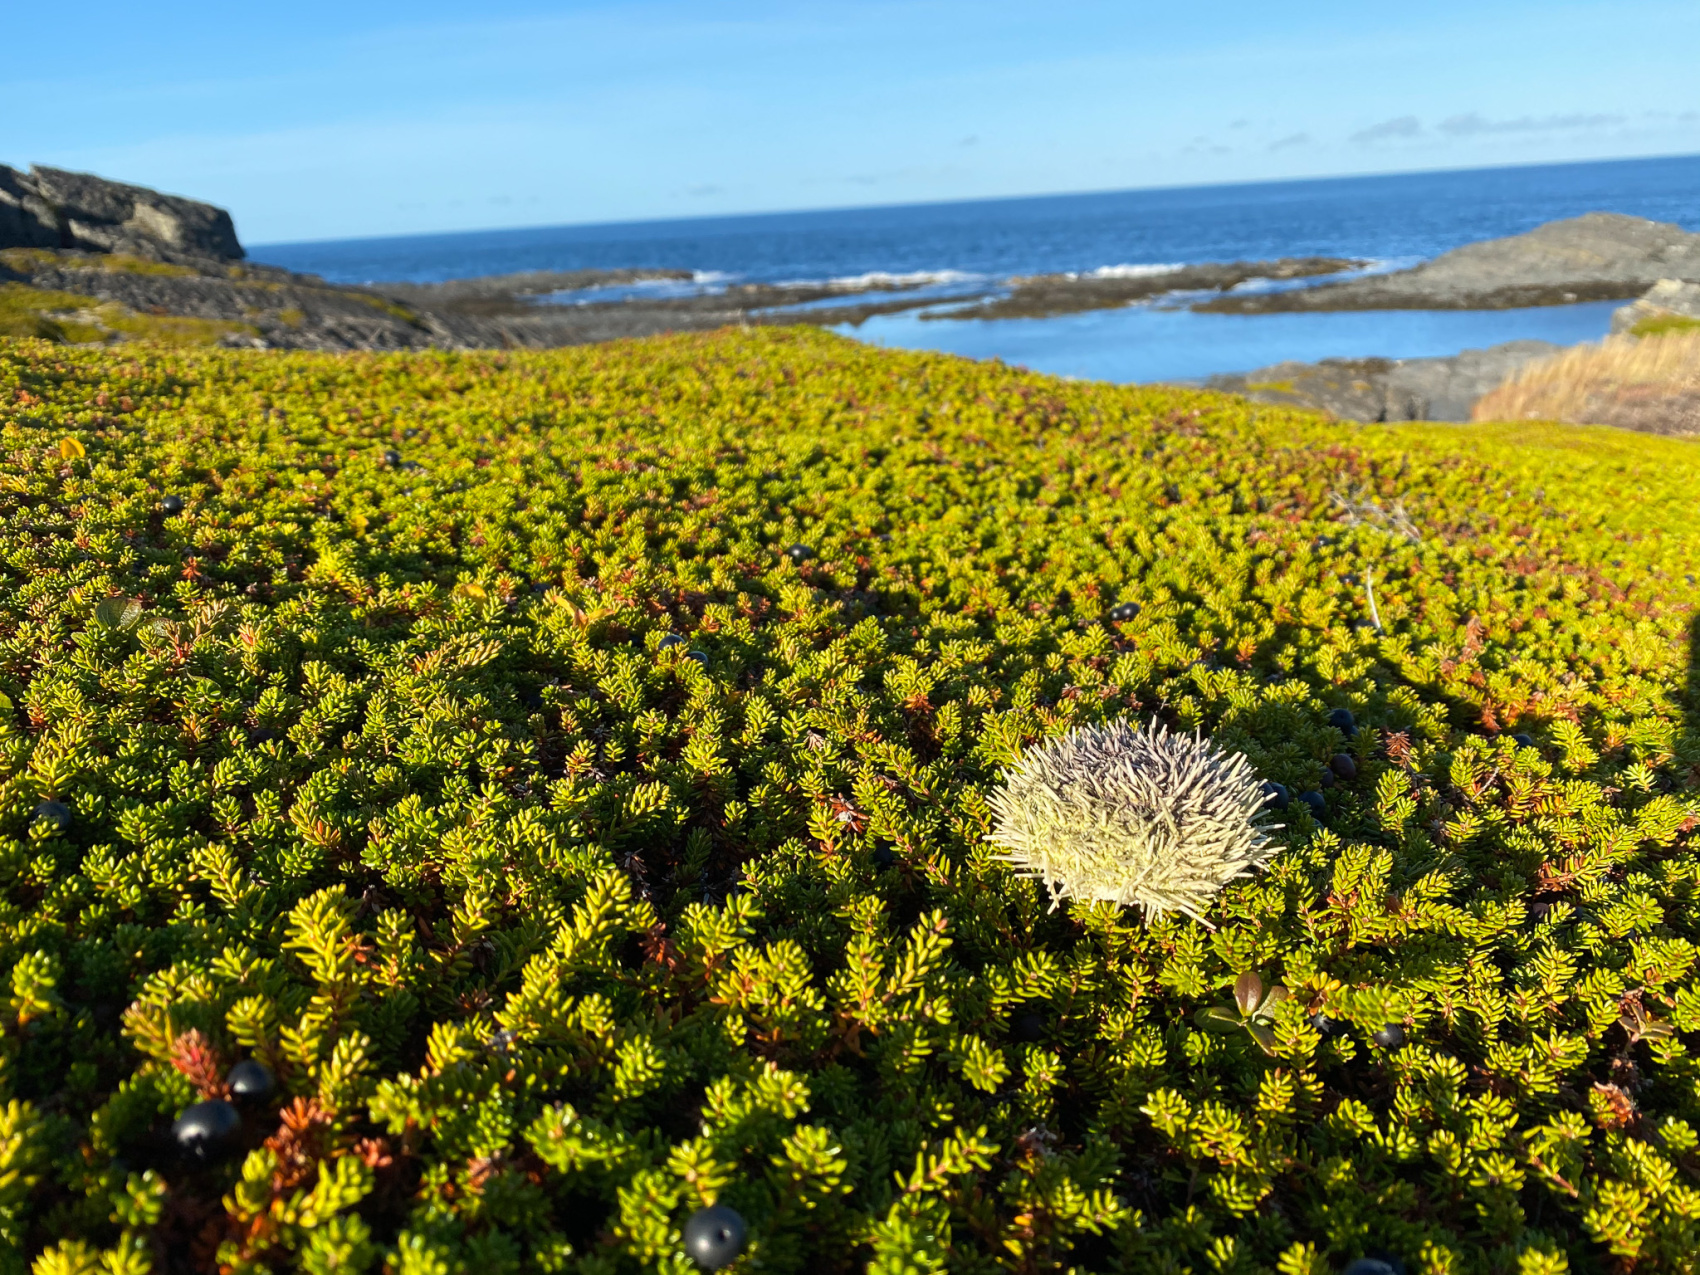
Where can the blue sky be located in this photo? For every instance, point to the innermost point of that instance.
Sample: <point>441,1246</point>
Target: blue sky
<point>326,120</point>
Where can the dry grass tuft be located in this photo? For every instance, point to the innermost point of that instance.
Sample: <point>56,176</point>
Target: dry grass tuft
<point>1650,384</point>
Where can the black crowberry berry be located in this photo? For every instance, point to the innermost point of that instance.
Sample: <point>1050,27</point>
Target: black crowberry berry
<point>1326,779</point>
<point>1124,611</point>
<point>1370,1266</point>
<point>698,656</point>
<point>799,552</point>
<point>251,1081</point>
<point>1390,1036</point>
<point>1343,766</point>
<point>714,1236</point>
<point>1323,1024</point>
<point>171,506</point>
<point>883,856</point>
<point>392,458</point>
<point>1524,741</point>
<point>1276,795</point>
<point>668,642</point>
<point>1317,803</point>
<point>56,813</point>
<point>207,1131</point>
<point>1341,719</point>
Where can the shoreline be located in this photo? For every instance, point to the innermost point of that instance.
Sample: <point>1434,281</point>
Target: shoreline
<point>87,261</point>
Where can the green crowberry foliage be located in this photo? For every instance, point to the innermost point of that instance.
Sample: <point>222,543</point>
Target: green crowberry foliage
<point>551,932</point>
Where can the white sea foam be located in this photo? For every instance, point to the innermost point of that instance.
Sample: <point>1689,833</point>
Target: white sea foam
<point>644,288</point>
<point>1130,271</point>
<point>884,279</point>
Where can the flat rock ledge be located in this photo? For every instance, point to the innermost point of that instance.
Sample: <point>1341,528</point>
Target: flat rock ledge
<point>1668,304</point>
<point>1595,257</point>
<point>1440,389</point>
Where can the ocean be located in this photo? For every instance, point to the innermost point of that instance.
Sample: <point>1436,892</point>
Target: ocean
<point>1394,220</point>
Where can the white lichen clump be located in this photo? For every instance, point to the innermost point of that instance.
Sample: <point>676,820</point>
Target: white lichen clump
<point>1132,816</point>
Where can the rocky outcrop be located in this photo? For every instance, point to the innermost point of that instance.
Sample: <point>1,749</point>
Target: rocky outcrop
<point>1388,389</point>
<point>52,208</point>
<point>267,307</point>
<point>1668,303</point>
<point>1595,257</point>
<point>514,291</point>
<point>1045,295</point>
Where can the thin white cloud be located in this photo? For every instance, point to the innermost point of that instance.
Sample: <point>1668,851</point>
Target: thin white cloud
<point>1474,125</point>
<point>1404,126</point>
<point>1292,139</point>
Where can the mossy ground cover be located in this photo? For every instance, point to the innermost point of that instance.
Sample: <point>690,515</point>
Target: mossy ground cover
<point>1665,325</point>
<point>25,260</point>
<point>577,854</point>
<point>67,317</point>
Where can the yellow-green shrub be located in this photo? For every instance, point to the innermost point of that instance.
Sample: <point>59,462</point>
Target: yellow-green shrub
<point>381,773</point>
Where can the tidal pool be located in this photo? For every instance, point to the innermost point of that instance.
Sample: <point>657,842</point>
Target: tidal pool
<point>1150,343</point>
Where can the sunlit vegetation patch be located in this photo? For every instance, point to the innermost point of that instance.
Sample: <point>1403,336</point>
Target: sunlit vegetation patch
<point>475,812</point>
<point>43,313</point>
<point>70,318</point>
<point>27,259</point>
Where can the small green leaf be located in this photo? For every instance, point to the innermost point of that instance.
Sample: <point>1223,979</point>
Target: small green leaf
<point>1263,1036</point>
<point>1218,1018</point>
<point>118,613</point>
<point>1248,990</point>
<point>1271,1002</point>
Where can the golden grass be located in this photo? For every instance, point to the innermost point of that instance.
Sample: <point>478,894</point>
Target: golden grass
<point>1649,384</point>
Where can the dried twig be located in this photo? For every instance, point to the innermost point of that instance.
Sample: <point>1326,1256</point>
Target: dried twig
<point>1360,511</point>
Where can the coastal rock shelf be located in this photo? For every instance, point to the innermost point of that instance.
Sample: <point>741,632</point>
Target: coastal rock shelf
<point>1669,304</point>
<point>1040,296</point>
<point>1595,257</point>
<point>1439,389</point>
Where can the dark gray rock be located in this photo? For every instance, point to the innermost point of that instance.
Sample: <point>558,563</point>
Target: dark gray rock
<point>1666,299</point>
<point>1388,389</point>
<point>1350,389</point>
<point>1040,296</point>
<point>1446,389</point>
<point>26,219</point>
<point>52,208</point>
<point>1595,257</point>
